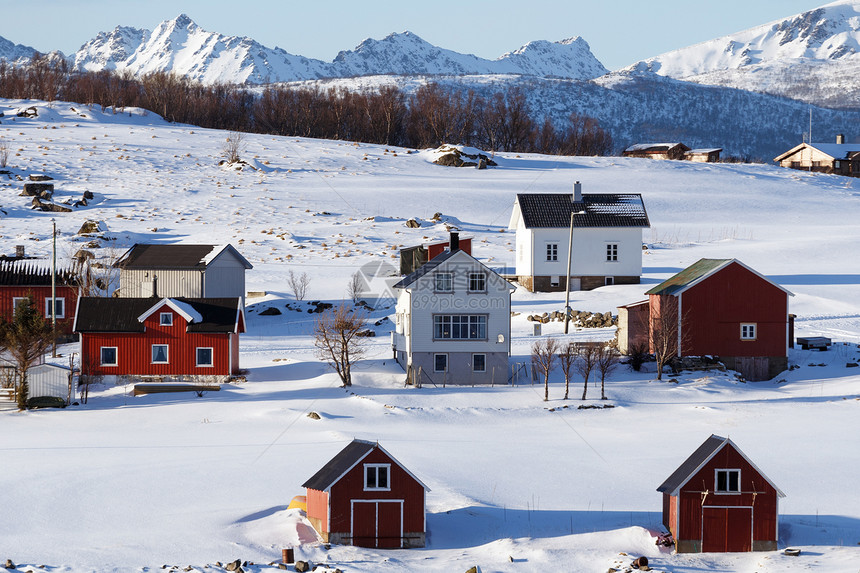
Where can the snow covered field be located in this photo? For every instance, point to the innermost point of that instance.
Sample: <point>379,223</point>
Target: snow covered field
<point>126,484</point>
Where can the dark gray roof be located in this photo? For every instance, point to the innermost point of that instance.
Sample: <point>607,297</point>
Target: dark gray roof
<point>334,469</point>
<point>179,256</point>
<point>424,269</point>
<point>552,210</point>
<point>692,463</point>
<point>121,314</point>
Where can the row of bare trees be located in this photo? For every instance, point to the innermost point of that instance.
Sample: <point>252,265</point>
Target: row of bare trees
<point>583,358</point>
<point>431,115</point>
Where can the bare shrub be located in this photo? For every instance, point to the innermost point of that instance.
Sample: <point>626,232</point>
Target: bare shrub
<point>298,284</point>
<point>337,340</point>
<point>543,358</point>
<point>566,359</point>
<point>607,361</point>
<point>4,152</point>
<point>587,359</point>
<point>234,146</point>
<point>355,287</point>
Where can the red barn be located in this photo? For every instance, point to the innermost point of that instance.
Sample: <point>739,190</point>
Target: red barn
<point>160,337</point>
<point>365,497</point>
<point>719,501</point>
<point>22,279</point>
<point>724,308</point>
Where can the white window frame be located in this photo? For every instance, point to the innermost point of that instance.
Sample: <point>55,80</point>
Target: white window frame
<point>17,299</point>
<point>552,252</point>
<point>436,364</point>
<point>480,279</point>
<point>611,252</point>
<point>476,322</point>
<point>484,369</point>
<point>165,315</point>
<point>166,353</point>
<point>374,469</point>
<point>440,280</point>
<point>61,302</point>
<point>115,355</point>
<point>749,326</point>
<point>728,472</point>
<point>211,357</point>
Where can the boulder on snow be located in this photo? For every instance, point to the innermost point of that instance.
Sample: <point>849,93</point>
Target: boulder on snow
<point>413,223</point>
<point>37,189</point>
<point>39,177</point>
<point>456,157</point>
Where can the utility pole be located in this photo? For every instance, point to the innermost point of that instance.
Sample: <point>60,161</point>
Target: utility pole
<point>54,287</point>
<point>567,279</point>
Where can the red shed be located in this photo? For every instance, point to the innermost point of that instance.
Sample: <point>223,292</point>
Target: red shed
<point>22,279</point>
<point>726,309</point>
<point>160,337</point>
<point>718,500</point>
<point>365,497</point>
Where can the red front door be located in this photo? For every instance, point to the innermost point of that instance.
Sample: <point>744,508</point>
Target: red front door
<point>726,529</point>
<point>377,524</point>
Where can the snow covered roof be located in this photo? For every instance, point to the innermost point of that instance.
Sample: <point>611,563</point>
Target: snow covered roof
<point>655,147</point>
<point>698,272</point>
<point>703,151</point>
<point>184,309</point>
<point>176,256</point>
<point>834,150</point>
<point>96,314</point>
<point>552,210</point>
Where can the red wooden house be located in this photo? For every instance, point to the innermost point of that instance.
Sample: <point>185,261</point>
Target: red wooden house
<point>171,337</point>
<point>365,497</point>
<point>724,308</point>
<point>23,279</point>
<point>718,500</point>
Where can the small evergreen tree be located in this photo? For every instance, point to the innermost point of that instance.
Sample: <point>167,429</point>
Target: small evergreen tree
<point>25,338</point>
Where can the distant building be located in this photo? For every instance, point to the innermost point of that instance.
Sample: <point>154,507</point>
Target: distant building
<point>179,270</point>
<point>607,239</point>
<point>839,158</point>
<point>657,150</point>
<point>705,155</point>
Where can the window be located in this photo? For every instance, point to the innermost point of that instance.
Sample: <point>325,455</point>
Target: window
<point>728,481</point>
<point>837,164</point>
<point>477,282</point>
<point>440,362</point>
<point>795,164</point>
<point>552,251</point>
<point>816,164</point>
<point>460,326</point>
<point>204,357</point>
<point>16,300</point>
<point>444,282</point>
<point>166,319</point>
<point>612,252</point>
<point>748,331</point>
<point>608,281</point>
<point>159,354</point>
<point>108,356</point>
<point>479,363</point>
<point>376,477</point>
<point>61,307</point>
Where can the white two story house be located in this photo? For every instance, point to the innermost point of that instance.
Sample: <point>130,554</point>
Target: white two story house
<point>607,239</point>
<point>453,322</point>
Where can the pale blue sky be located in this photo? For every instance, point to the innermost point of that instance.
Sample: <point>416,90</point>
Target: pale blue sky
<point>620,32</point>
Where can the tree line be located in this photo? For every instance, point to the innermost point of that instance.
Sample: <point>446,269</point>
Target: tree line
<point>427,117</point>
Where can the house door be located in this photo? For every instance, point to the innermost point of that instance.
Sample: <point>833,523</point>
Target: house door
<point>377,523</point>
<point>753,368</point>
<point>727,529</point>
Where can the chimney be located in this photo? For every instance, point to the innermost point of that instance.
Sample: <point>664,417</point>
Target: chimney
<point>577,192</point>
<point>454,243</point>
<point>19,251</point>
<point>840,138</point>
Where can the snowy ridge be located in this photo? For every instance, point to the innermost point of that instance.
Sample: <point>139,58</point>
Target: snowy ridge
<point>107,49</point>
<point>15,53</point>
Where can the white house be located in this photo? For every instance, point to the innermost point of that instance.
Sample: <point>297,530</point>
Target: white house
<point>607,239</point>
<point>453,322</point>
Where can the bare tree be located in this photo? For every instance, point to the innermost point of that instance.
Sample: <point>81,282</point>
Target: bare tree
<point>587,359</point>
<point>234,145</point>
<point>355,287</point>
<point>607,361</point>
<point>663,335</point>
<point>337,339</point>
<point>25,338</point>
<point>543,358</point>
<point>4,152</point>
<point>298,284</point>
<point>566,359</point>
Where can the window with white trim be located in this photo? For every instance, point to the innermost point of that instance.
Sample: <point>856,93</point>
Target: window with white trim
<point>108,356</point>
<point>376,477</point>
<point>552,251</point>
<point>61,307</point>
<point>727,481</point>
<point>748,331</point>
<point>165,319</point>
<point>204,356</point>
<point>440,363</point>
<point>460,327</point>
<point>477,282</point>
<point>479,363</point>
<point>16,300</point>
<point>444,282</point>
<point>160,354</point>
<point>612,252</point>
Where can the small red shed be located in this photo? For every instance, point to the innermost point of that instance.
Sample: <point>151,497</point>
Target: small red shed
<point>365,497</point>
<point>160,337</point>
<point>724,308</point>
<point>719,501</point>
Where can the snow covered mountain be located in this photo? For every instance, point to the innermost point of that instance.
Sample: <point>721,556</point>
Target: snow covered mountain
<point>181,46</point>
<point>779,57</point>
<point>15,53</point>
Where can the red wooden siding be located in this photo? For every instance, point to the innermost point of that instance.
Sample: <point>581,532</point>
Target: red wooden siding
<point>39,294</point>
<point>134,349</point>
<point>318,509</point>
<point>658,304</point>
<point>437,249</point>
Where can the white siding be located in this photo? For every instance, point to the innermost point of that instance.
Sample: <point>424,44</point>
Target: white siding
<point>49,380</point>
<point>589,252</point>
<point>137,283</point>
<point>225,277</point>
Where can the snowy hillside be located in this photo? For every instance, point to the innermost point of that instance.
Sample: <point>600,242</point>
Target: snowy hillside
<point>130,484</point>
<point>181,46</point>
